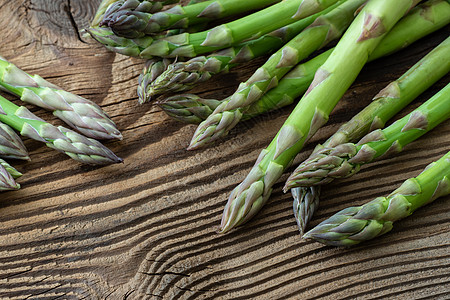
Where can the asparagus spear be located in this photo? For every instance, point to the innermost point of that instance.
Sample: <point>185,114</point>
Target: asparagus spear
<point>354,225</point>
<point>421,21</point>
<point>324,29</point>
<point>153,68</point>
<point>11,170</point>
<point>188,108</point>
<point>7,182</point>
<point>232,33</point>
<point>331,81</point>
<point>11,146</point>
<point>304,205</point>
<point>99,14</point>
<point>182,76</point>
<point>129,47</point>
<point>80,113</point>
<point>346,159</point>
<point>75,145</point>
<point>133,18</point>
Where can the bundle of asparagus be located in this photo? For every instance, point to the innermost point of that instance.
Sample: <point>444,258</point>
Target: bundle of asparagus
<point>176,39</point>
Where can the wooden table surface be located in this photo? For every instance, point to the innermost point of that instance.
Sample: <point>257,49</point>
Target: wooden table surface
<point>146,229</point>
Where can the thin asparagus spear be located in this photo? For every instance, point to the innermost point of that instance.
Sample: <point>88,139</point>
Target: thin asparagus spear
<point>7,182</point>
<point>232,33</point>
<point>128,47</point>
<point>421,21</point>
<point>304,206</point>
<point>385,105</point>
<point>153,68</point>
<point>346,159</point>
<point>323,30</point>
<point>11,146</point>
<point>75,145</point>
<point>11,170</point>
<point>133,18</point>
<point>188,108</point>
<point>80,113</point>
<point>182,76</point>
<point>331,81</point>
<point>354,225</point>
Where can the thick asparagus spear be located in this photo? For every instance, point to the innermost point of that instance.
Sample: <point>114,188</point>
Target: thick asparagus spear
<point>354,225</point>
<point>182,76</point>
<point>421,21</point>
<point>331,81</point>
<point>385,105</point>
<point>232,33</point>
<point>7,182</point>
<point>324,29</point>
<point>11,146</point>
<point>346,159</point>
<point>133,18</point>
<point>80,113</point>
<point>75,145</point>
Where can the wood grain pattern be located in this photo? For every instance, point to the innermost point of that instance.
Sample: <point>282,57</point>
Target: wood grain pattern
<point>146,229</point>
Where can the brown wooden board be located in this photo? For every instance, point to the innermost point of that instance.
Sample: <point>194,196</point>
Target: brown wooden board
<point>146,229</point>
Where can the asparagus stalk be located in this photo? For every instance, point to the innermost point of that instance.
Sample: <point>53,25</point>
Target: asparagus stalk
<point>99,14</point>
<point>324,29</point>
<point>232,33</point>
<point>128,47</point>
<point>11,146</point>
<point>80,113</point>
<point>188,108</point>
<point>153,68</point>
<point>304,206</point>
<point>346,159</point>
<point>7,182</point>
<point>133,18</point>
<point>77,146</point>
<point>11,170</point>
<point>182,76</point>
<point>354,225</point>
<point>421,21</point>
<point>331,81</point>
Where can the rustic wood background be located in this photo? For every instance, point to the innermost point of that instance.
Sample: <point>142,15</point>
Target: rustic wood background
<point>146,229</point>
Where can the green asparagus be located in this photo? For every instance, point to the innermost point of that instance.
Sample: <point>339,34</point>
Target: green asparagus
<point>11,170</point>
<point>80,113</point>
<point>330,82</point>
<point>153,68</point>
<point>77,146</point>
<point>11,146</point>
<point>188,108</point>
<point>182,76</point>
<point>100,13</point>
<point>354,225</point>
<point>304,206</point>
<point>386,104</point>
<point>324,29</point>
<point>7,182</point>
<point>346,159</point>
<point>235,32</point>
<point>133,18</point>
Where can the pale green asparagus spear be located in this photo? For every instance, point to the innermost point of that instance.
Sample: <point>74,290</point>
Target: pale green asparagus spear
<point>80,113</point>
<point>7,182</point>
<point>11,146</point>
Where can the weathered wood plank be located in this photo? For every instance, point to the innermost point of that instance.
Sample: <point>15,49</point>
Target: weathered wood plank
<point>146,229</point>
